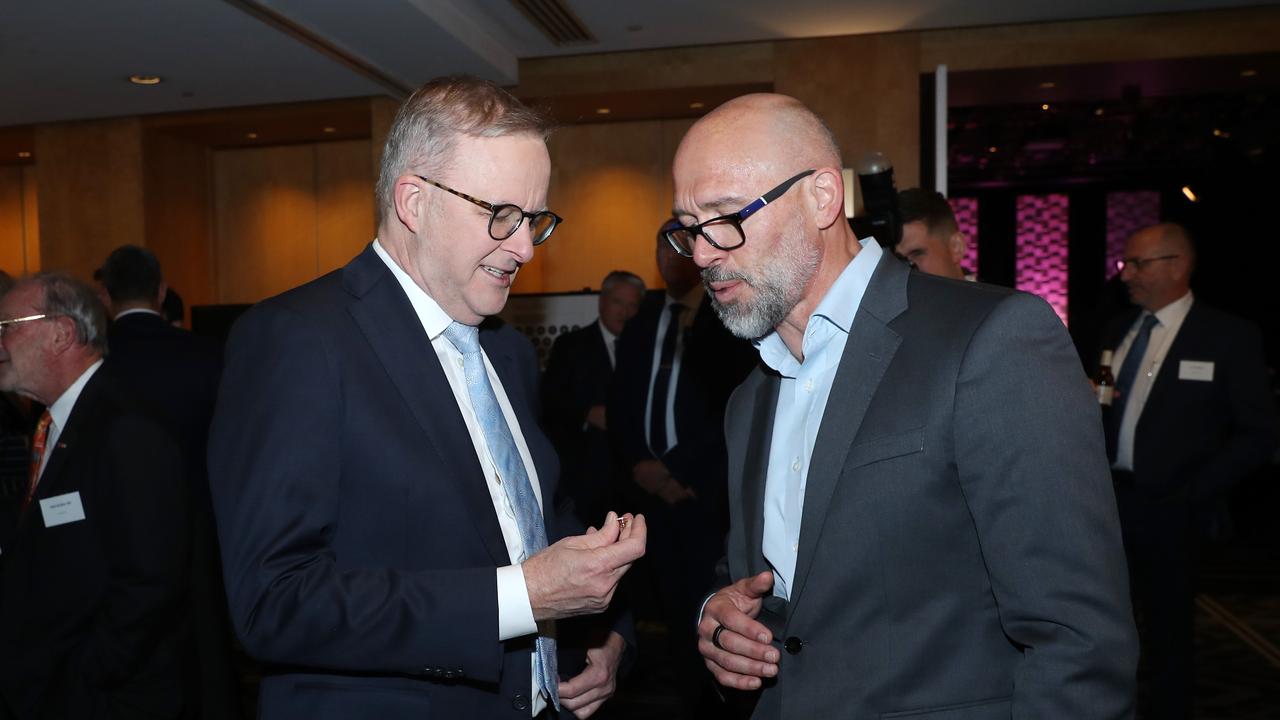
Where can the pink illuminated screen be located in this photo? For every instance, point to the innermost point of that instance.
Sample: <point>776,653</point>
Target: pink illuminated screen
<point>1040,266</point>
<point>1127,213</point>
<point>966,211</point>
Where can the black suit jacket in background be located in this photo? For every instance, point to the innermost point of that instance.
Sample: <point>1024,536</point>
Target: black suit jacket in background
<point>91,612</point>
<point>1196,439</point>
<point>578,377</point>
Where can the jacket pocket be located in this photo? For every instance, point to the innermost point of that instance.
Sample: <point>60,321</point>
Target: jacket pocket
<point>885,447</point>
<point>977,710</point>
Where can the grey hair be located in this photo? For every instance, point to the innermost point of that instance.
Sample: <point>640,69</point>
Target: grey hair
<point>617,277</point>
<point>65,295</point>
<point>427,125</point>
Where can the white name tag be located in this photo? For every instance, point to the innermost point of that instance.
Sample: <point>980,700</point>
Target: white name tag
<point>62,509</point>
<point>1195,370</point>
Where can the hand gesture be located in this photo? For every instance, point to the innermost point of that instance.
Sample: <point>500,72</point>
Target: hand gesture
<point>733,643</point>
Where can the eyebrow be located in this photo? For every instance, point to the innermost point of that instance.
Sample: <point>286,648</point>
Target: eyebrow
<point>719,204</point>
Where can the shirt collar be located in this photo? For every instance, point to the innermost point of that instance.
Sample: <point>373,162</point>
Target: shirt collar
<point>837,308</point>
<point>608,336</point>
<point>138,311</point>
<point>434,319</point>
<point>60,410</point>
<point>1175,312</point>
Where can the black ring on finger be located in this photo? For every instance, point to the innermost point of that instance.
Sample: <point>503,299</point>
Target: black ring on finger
<point>715,637</point>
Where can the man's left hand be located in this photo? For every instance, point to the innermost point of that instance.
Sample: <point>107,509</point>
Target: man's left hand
<point>584,694</point>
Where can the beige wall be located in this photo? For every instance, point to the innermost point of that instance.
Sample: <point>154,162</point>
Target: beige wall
<point>19,221</point>
<point>285,215</point>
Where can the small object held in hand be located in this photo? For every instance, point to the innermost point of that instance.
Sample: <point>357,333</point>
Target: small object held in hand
<point>622,523</point>
<point>715,637</point>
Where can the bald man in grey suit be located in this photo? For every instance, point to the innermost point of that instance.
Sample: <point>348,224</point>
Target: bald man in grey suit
<point>922,520</point>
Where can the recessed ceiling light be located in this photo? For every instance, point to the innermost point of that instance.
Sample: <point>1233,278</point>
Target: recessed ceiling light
<point>1048,85</point>
<point>251,136</point>
<point>1099,112</point>
<point>1248,73</point>
<point>145,79</point>
<point>1220,133</point>
<point>696,106</point>
<point>992,149</point>
<point>602,111</point>
<point>331,130</point>
<point>1186,191</point>
<point>24,153</point>
<point>1045,106</point>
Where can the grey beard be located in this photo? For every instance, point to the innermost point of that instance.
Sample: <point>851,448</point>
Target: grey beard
<point>752,319</point>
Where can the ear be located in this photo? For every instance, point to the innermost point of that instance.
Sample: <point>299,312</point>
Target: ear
<point>957,245</point>
<point>828,197</point>
<point>410,202</point>
<point>63,336</point>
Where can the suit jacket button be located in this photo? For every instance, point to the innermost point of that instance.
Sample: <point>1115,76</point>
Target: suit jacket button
<point>520,703</point>
<point>793,645</point>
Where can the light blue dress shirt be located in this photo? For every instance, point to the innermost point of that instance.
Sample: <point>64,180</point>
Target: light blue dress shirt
<point>802,401</point>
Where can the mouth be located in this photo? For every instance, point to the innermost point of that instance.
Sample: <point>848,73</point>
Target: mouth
<point>505,277</point>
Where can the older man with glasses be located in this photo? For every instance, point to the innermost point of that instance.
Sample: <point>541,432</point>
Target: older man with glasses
<point>1192,418</point>
<point>93,567</point>
<point>384,497</point>
<point>921,519</point>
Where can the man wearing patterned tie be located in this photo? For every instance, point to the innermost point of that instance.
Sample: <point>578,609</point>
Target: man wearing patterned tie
<point>383,495</point>
<point>93,568</point>
<point>1192,417</point>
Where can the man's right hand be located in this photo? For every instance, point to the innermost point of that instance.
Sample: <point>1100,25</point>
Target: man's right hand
<point>578,575</point>
<point>745,656</point>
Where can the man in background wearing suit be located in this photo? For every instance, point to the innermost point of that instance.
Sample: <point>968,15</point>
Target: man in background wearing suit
<point>175,373</point>
<point>676,367</point>
<point>93,568</point>
<point>931,238</point>
<point>922,522</point>
<point>1192,417</point>
<point>575,391</point>
<point>382,491</point>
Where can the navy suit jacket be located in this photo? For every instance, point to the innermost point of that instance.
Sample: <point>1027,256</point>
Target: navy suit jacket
<point>1195,439</point>
<point>359,539</point>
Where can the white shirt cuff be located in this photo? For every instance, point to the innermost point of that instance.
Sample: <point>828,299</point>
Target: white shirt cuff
<point>515,613</point>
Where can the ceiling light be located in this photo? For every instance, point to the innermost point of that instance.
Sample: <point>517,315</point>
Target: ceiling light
<point>1248,73</point>
<point>1186,191</point>
<point>331,130</point>
<point>1219,133</point>
<point>992,149</point>
<point>696,105</point>
<point>602,111</point>
<point>251,136</point>
<point>24,153</point>
<point>1044,106</point>
<point>1048,85</point>
<point>1099,112</point>
<point>145,79</point>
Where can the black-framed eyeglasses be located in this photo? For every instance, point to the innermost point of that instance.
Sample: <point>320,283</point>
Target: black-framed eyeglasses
<point>505,219</point>
<point>725,232</point>
<point>6,324</point>
<point>1138,263</point>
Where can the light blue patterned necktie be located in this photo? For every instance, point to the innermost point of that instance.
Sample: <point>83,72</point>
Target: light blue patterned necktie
<point>512,475</point>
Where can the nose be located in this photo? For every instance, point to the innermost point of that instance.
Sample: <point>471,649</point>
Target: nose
<point>1127,272</point>
<point>704,253</point>
<point>520,244</point>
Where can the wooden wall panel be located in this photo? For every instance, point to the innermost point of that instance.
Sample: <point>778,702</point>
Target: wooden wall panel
<point>866,88</point>
<point>13,238</point>
<point>345,219</point>
<point>179,213</point>
<point>612,185</point>
<point>265,221</point>
<point>31,217</point>
<point>91,192</point>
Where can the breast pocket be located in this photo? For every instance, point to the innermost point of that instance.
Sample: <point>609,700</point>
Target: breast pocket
<point>885,447</point>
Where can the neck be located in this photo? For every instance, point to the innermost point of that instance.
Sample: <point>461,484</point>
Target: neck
<point>63,373</point>
<point>840,246</point>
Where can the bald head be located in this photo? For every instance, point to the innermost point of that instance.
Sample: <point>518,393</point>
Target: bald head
<point>1158,264</point>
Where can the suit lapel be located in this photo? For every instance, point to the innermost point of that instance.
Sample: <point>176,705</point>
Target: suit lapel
<point>391,327</point>
<point>868,351</point>
<point>756,469</point>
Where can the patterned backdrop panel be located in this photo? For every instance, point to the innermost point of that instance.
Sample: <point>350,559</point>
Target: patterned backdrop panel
<point>1127,213</point>
<point>1041,262</point>
<point>966,210</point>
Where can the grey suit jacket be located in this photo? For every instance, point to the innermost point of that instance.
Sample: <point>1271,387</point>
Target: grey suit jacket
<point>960,553</point>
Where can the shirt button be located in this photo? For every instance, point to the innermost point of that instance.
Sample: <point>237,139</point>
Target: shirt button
<point>459,362</point>
<point>808,385</point>
<point>795,547</point>
<point>795,465</point>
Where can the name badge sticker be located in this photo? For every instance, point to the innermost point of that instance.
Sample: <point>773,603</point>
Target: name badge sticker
<point>1201,370</point>
<point>62,509</point>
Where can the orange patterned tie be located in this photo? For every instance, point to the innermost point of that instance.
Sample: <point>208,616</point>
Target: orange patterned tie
<point>37,455</point>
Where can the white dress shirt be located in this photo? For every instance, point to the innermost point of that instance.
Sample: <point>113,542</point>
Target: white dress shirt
<point>664,321</point>
<point>1169,320</point>
<point>610,343</point>
<point>802,401</point>
<point>60,412</point>
<point>515,613</point>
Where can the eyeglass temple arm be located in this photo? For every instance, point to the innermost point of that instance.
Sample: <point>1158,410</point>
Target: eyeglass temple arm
<point>772,195</point>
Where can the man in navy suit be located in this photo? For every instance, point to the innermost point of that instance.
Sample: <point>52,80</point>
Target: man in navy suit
<point>575,390</point>
<point>1192,417</point>
<point>382,492</point>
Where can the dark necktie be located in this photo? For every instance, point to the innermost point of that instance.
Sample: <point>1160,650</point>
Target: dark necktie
<point>662,382</point>
<point>1124,382</point>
